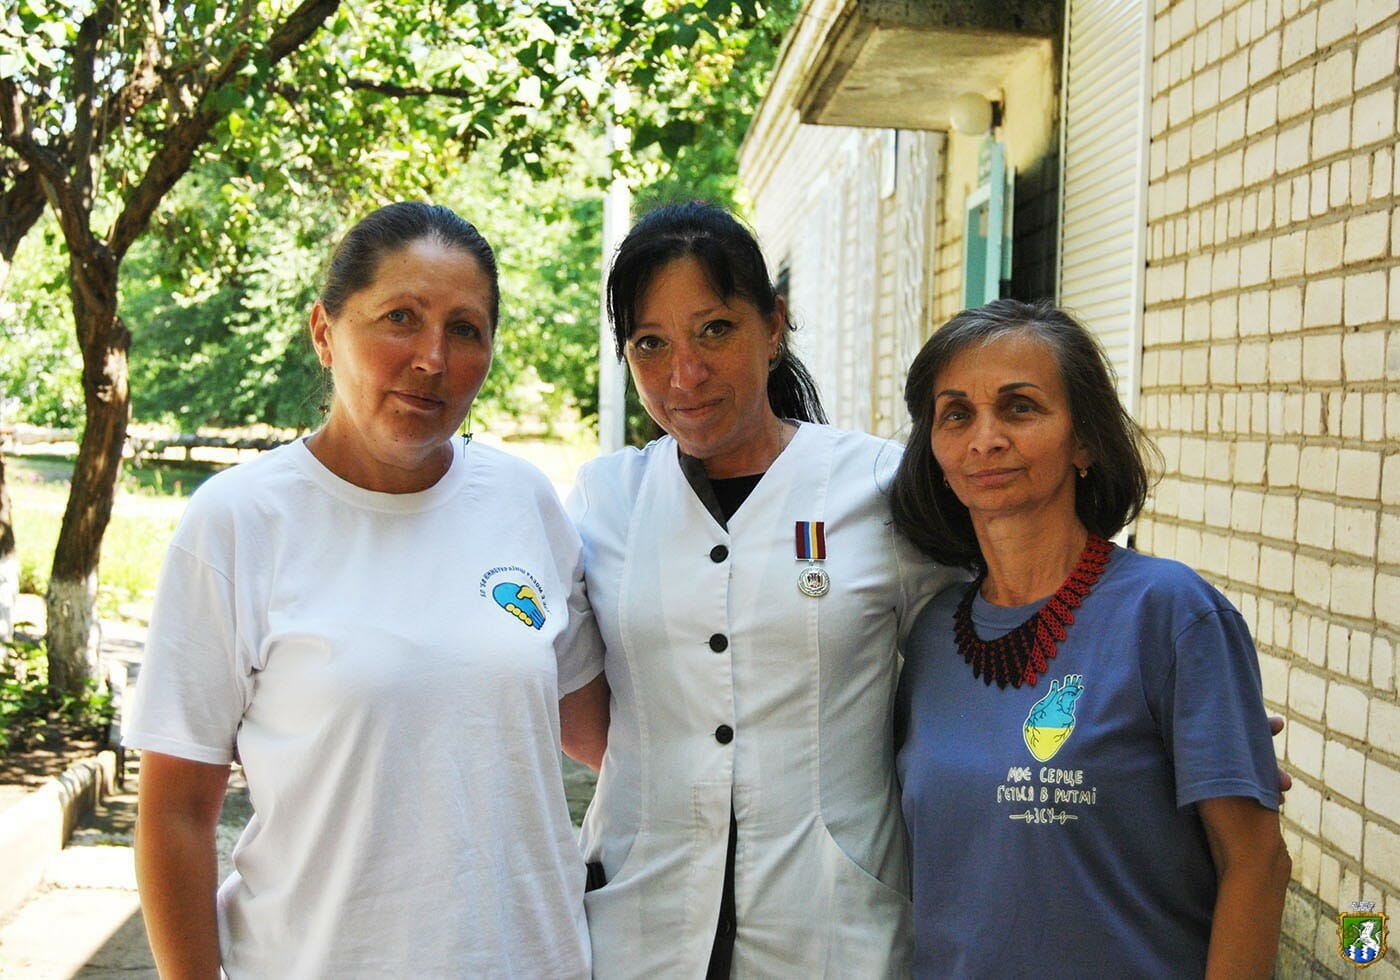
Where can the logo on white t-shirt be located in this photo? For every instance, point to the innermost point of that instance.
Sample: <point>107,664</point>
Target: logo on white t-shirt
<point>517,592</point>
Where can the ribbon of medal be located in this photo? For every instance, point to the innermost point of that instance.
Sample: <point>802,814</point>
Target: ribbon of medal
<point>812,580</point>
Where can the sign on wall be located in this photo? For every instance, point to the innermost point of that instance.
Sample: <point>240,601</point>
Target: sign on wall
<point>987,234</point>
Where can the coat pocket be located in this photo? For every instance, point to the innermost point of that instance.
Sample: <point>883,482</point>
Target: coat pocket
<point>870,923</point>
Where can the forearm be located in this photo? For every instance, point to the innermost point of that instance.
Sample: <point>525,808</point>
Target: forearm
<point>1253,872</point>
<point>177,872</point>
<point>583,722</point>
<point>176,862</point>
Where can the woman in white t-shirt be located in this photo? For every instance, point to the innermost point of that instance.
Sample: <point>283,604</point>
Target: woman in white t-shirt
<point>378,622</point>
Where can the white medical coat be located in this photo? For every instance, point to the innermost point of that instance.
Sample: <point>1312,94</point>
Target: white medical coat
<point>705,627</point>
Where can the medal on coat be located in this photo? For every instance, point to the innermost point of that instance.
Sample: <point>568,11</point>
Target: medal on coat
<point>811,548</point>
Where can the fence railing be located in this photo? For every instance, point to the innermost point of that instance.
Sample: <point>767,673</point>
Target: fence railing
<point>142,446</point>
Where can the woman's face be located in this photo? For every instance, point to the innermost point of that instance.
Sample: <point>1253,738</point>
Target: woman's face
<point>408,353</point>
<point>1003,434</point>
<point>701,368</point>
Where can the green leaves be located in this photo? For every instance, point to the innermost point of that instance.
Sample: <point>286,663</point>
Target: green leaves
<point>227,98</point>
<point>498,108</point>
<point>30,39</point>
<point>30,709</point>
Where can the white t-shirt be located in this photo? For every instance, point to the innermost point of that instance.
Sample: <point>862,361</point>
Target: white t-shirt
<point>387,668</point>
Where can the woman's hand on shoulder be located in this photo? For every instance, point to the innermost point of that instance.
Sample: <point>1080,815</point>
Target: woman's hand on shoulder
<point>1285,781</point>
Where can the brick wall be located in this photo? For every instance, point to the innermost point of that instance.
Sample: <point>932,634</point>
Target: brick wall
<point>1270,363</point>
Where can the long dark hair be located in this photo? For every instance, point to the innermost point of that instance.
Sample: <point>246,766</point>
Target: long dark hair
<point>928,512</point>
<point>730,256</point>
<point>395,227</point>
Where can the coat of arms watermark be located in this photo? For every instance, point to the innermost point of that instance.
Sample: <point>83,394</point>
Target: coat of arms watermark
<point>1361,934</point>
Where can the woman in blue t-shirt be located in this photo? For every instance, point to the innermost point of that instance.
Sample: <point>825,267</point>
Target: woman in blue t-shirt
<point>1109,804</point>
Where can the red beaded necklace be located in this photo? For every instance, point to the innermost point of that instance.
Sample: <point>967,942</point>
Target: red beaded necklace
<point>1023,654</point>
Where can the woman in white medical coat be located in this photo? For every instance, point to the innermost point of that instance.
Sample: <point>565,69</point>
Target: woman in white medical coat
<point>752,594</point>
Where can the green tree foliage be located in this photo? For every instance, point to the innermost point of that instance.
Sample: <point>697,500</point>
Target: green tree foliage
<point>222,316</point>
<point>40,367</point>
<point>218,293</point>
<point>548,240</point>
<point>688,146</point>
<point>224,319</point>
<point>109,104</point>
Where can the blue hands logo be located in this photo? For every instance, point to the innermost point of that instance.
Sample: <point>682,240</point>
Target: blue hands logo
<point>521,602</point>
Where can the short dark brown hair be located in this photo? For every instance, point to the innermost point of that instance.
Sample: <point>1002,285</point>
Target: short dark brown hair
<point>928,512</point>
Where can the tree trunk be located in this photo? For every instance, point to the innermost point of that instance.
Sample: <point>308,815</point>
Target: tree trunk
<point>69,165</point>
<point>9,562</point>
<point>73,634</point>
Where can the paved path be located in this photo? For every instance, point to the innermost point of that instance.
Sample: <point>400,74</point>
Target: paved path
<point>85,920</point>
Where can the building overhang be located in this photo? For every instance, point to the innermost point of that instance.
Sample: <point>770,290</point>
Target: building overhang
<point>899,64</point>
<point>889,64</point>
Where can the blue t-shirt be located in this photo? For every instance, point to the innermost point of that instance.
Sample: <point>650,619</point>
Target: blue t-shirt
<point>1052,826</point>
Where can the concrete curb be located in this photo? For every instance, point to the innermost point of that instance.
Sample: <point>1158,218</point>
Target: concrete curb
<point>38,826</point>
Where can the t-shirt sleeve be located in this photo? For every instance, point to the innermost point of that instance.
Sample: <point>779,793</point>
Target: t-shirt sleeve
<point>1214,719</point>
<point>580,645</point>
<point>580,650</point>
<point>190,691</point>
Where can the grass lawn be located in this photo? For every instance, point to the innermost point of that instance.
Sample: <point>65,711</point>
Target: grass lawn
<point>149,502</point>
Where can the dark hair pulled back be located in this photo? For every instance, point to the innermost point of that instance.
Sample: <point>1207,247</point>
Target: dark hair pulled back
<point>393,228</point>
<point>1110,496</point>
<point>734,265</point>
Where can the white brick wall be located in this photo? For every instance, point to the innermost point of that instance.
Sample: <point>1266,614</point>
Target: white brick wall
<point>1271,360</point>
